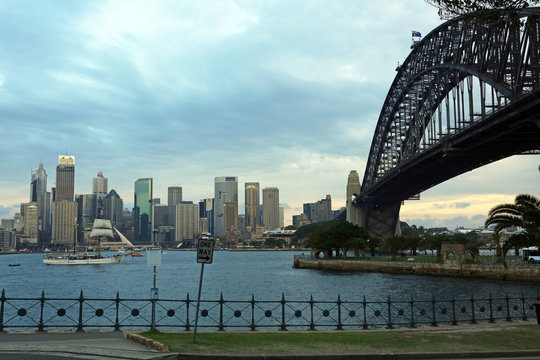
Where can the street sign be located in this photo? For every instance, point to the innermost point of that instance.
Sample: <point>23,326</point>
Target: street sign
<point>205,251</point>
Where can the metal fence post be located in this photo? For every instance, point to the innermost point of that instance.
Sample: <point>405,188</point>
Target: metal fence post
<point>473,320</point>
<point>187,312</point>
<point>389,302</point>
<point>221,327</point>
<point>311,324</point>
<point>283,325</point>
<point>42,304</point>
<point>80,323</point>
<point>364,303</point>
<point>339,323</point>
<point>117,321</point>
<point>2,301</point>
<point>252,312</point>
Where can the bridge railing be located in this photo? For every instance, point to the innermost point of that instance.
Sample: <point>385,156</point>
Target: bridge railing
<point>85,313</point>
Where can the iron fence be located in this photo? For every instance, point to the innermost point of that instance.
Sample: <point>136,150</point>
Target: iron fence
<point>85,313</point>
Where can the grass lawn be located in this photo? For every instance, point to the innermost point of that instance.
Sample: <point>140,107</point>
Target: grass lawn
<point>520,337</point>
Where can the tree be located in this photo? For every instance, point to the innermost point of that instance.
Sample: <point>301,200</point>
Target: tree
<point>338,236</point>
<point>452,8</point>
<point>524,213</point>
<point>393,244</point>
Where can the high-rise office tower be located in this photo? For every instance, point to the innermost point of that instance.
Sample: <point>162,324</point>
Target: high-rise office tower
<point>65,178</point>
<point>142,211</point>
<point>112,207</point>
<point>64,226</point>
<point>206,210</point>
<point>230,216</point>
<point>87,212</point>
<point>271,207</point>
<point>353,187</point>
<point>225,190</point>
<point>174,197</point>
<point>281,217</point>
<point>252,201</point>
<point>31,224</point>
<point>38,194</point>
<point>187,221</point>
<point>99,186</point>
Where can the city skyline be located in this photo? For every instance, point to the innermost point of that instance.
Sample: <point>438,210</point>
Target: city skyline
<point>284,94</point>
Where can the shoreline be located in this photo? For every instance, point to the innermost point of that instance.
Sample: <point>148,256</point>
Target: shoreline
<point>497,272</point>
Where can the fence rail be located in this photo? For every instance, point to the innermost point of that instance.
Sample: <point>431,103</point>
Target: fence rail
<point>84,313</point>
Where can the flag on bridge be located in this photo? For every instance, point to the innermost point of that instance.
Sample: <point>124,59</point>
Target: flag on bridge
<point>416,34</point>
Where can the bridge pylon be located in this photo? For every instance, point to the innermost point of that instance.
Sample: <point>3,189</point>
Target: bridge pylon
<point>379,216</point>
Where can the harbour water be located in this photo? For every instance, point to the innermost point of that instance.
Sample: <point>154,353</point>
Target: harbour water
<point>237,275</point>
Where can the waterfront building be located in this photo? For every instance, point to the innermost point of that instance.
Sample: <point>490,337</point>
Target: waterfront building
<point>252,202</point>
<point>99,187</point>
<point>174,197</point>
<point>353,187</point>
<point>39,195</point>
<point>161,215</point>
<point>64,222</point>
<point>225,190</point>
<point>206,210</point>
<point>319,211</point>
<point>281,216</point>
<point>300,220</point>
<point>8,239</point>
<point>142,211</point>
<point>203,225</point>
<point>112,207</point>
<point>87,212</point>
<point>187,221</point>
<point>8,224</point>
<point>242,223</point>
<point>65,178</point>
<point>230,216</point>
<point>271,207</point>
<point>31,224</point>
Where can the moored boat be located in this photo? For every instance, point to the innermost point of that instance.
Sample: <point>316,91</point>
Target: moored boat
<point>101,231</point>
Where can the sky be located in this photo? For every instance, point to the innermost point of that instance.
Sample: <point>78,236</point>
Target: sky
<point>286,93</point>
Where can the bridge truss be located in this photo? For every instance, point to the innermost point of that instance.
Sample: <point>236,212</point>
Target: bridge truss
<point>467,95</point>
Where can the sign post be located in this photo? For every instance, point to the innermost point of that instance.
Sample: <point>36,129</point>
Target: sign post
<point>153,258</point>
<point>205,255</point>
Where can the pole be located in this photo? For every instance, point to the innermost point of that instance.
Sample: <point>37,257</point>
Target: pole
<point>198,305</point>
<point>154,303</point>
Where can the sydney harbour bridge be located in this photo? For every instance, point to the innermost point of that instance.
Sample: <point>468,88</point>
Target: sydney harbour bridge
<point>467,95</point>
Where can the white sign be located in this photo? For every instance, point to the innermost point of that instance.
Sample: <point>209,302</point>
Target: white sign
<point>153,258</point>
<point>205,251</point>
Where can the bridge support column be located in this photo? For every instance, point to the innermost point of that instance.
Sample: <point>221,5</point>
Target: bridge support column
<point>380,218</point>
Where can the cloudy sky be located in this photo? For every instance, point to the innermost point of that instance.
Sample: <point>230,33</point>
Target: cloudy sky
<point>286,93</point>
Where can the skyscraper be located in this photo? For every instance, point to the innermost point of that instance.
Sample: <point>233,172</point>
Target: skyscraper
<point>252,201</point>
<point>87,212</point>
<point>187,221</point>
<point>64,222</point>
<point>99,186</point>
<point>230,216</point>
<point>206,211</point>
<point>174,197</point>
<point>142,211</point>
<point>225,190</point>
<point>39,195</point>
<point>31,221</point>
<point>112,207</point>
<point>271,207</point>
<point>65,178</point>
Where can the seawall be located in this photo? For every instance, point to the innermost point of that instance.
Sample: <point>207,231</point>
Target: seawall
<point>513,272</point>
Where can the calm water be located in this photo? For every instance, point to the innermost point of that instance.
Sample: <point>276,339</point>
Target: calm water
<point>237,275</point>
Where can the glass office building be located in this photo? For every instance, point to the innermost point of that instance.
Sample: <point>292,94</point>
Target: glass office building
<point>142,214</point>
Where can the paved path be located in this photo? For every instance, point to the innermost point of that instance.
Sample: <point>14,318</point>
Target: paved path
<point>72,345</point>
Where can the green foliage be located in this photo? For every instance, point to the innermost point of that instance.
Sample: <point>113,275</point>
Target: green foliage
<point>338,236</point>
<point>306,230</point>
<point>274,242</point>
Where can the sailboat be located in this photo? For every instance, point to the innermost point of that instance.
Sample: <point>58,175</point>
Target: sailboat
<point>101,231</point>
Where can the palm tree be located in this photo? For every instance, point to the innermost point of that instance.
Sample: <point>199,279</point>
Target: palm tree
<point>523,213</point>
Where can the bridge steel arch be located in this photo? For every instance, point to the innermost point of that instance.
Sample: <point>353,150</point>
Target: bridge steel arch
<point>468,94</point>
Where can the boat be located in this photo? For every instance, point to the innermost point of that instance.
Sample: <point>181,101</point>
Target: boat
<point>136,254</point>
<point>14,264</point>
<point>101,231</point>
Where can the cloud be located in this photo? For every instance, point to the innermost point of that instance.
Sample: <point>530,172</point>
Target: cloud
<point>462,205</point>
